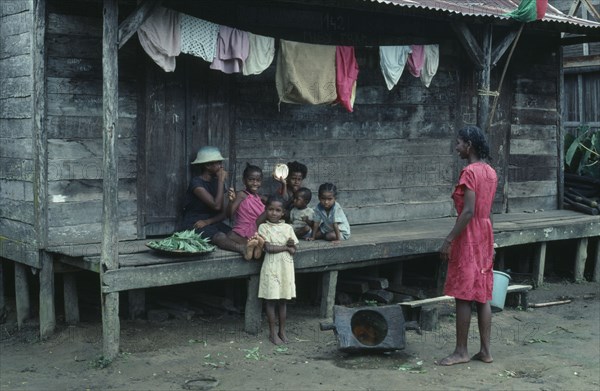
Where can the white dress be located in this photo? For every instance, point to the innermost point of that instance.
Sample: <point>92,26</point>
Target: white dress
<point>277,273</point>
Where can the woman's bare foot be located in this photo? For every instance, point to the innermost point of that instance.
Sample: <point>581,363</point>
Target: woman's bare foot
<point>249,251</point>
<point>283,337</point>
<point>453,359</point>
<point>258,250</point>
<point>486,358</point>
<point>275,339</point>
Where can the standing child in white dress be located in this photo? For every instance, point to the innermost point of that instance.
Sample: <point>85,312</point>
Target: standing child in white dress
<point>277,282</point>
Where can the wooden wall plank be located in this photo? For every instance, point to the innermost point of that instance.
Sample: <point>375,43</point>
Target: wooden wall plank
<point>62,213</point>
<point>22,211</point>
<point>19,251</point>
<point>16,127</point>
<point>12,7</point>
<point>87,190</point>
<point>533,147</point>
<point>15,66</point>
<point>89,233</point>
<point>16,148</point>
<point>16,190</point>
<point>17,230</point>
<point>17,87</point>
<point>15,45</point>
<point>531,204</point>
<point>532,189</point>
<point>91,168</point>
<point>64,149</point>
<point>75,25</point>
<point>17,23</point>
<point>15,169</point>
<point>87,105</point>
<point>86,127</point>
<point>533,132</point>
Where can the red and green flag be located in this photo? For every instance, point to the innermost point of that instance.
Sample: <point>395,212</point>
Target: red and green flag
<point>529,10</point>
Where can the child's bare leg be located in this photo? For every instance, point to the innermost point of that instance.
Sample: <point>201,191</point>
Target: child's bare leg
<point>258,250</point>
<point>230,242</point>
<point>330,236</point>
<point>282,315</point>
<point>463,320</point>
<point>484,321</point>
<point>273,337</point>
<point>250,248</point>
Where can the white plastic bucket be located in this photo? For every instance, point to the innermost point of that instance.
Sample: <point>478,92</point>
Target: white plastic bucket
<point>499,291</point>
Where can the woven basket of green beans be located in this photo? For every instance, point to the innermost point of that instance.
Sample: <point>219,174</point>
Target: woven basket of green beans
<point>184,242</point>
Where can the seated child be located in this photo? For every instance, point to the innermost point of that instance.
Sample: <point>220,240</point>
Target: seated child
<point>296,174</point>
<point>301,216</point>
<point>330,222</point>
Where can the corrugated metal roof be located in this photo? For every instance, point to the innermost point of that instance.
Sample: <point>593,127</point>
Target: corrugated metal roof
<point>490,8</point>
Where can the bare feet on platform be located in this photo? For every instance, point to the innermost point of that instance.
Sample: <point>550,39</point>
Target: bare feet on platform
<point>249,251</point>
<point>486,358</point>
<point>453,359</point>
<point>275,339</point>
<point>258,250</point>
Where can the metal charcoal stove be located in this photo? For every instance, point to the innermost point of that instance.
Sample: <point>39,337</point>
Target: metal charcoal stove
<point>368,328</point>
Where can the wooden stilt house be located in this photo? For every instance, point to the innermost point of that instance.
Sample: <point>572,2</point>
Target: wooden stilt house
<point>96,139</point>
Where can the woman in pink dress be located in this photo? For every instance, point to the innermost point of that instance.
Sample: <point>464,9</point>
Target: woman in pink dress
<point>469,247</point>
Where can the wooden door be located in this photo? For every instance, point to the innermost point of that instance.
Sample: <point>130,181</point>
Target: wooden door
<point>183,110</point>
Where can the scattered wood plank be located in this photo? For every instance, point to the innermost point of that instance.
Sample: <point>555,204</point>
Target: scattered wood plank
<point>374,282</point>
<point>415,292</point>
<point>550,303</point>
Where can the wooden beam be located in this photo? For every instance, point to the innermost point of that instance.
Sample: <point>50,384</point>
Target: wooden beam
<point>130,25</point>
<point>470,44</point>
<point>580,258</point>
<point>590,7</point>
<point>503,46</point>
<point>22,301</point>
<point>574,7</point>
<point>329,283</point>
<point>47,308</point>
<point>253,311</point>
<point>539,264</point>
<point>483,101</point>
<point>596,259</point>
<point>109,251</point>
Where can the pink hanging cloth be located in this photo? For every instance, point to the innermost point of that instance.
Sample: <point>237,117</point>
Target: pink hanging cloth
<point>416,60</point>
<point>346,75</point>
<point>232,50</point>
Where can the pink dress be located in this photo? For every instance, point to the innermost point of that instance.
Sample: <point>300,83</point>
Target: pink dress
<point>246,214</point>
<point>471,261</point>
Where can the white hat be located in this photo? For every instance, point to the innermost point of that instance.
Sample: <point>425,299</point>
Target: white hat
<point>208,154</point>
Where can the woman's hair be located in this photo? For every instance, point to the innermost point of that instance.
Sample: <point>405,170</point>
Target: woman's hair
<point>297,167</point>
<point>327,187</point>
<point>478,141</point>
<point>275,198</point>
<point>250,169</point>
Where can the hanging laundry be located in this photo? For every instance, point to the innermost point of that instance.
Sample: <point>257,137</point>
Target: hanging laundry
<point>260,55</point>
<point>232,50</point>
<point>431,62</point>
<point>160,37</point>
<point>415,60</point>
<point>198,37</point>
<point>305,73</point>
<point>346,75</point>
<point>392,60</point>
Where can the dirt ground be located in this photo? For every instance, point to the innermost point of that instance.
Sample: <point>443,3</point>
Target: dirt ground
<point>550,348</point>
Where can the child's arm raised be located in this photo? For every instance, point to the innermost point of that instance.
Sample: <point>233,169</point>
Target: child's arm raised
<point>234,201</point>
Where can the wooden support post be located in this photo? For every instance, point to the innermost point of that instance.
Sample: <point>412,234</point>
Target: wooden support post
<point>398,274</point>
<point>596,258</point>
<point>22,301</point>
<point>580,258</point>
<point>539,264</point>
<point>329,284</point>
<point>110,220</point>
<point>253,312</point>
<point>136,300</point>
<point>47,309</point>
<point>483,102</point>
<point>71,299</point>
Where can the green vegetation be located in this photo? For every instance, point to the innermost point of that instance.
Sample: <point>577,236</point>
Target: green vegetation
<point>582,153</point>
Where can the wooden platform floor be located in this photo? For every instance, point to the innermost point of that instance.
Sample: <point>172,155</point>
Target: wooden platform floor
<point>371,244</point>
